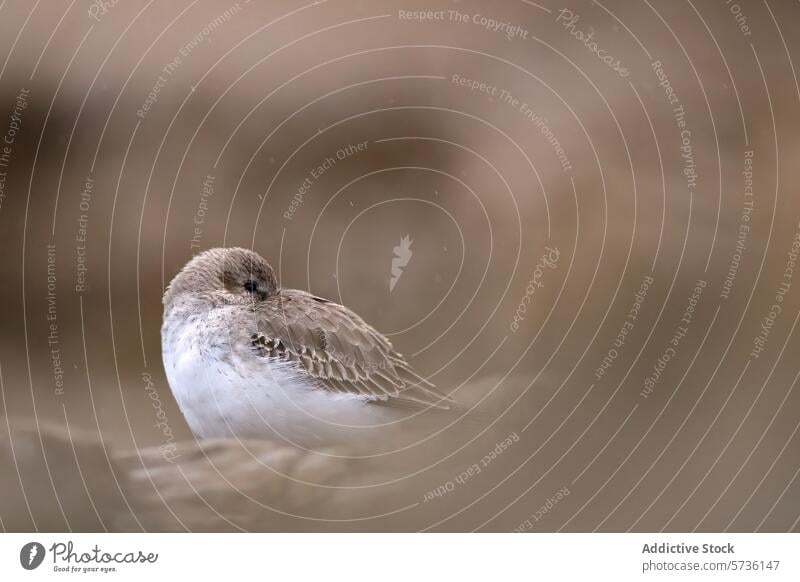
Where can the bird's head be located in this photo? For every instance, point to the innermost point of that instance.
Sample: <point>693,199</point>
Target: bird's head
<point>224,276</point>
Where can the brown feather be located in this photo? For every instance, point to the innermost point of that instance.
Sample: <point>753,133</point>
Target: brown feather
<point>339,350</point>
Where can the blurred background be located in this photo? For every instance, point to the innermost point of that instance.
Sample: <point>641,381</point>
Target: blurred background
<point>582,219</point>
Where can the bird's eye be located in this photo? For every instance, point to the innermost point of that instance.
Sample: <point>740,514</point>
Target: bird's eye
<point>250,286</point>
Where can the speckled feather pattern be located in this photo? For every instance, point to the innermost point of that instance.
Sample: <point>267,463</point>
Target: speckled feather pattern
<point>338,349</point>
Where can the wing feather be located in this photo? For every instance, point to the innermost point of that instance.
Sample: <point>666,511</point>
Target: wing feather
<point>339,351</point>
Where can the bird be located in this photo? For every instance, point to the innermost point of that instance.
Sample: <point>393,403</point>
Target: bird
<point>248,359</point>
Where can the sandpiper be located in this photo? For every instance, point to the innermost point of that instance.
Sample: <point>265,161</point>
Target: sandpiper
<point>247,359</point>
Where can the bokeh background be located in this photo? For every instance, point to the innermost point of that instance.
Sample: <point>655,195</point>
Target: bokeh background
<point>491,135</point>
